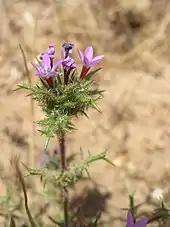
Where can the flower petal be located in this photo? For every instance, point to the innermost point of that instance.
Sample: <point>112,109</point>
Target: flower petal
<point>81,56</point>
<point>46,62</point>
<point>87,63</point>
<point>51,50</point>
<point>130,220</point>
<point>89,53</point>
<point>56,64</point>
<point>38,67</point>
<point>37,74</point>
<point>96,60</point>
<point>62,53</point>
<point>141,223</point>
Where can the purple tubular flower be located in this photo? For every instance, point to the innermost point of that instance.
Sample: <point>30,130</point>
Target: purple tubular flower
<point>46,70</point>
<point>87,57</point>
<point>50,52</point>
<point>67,50</point>
<point>131,223</point>
<point>67,60</point>
<point>87,60</point>
<point>68,63</point>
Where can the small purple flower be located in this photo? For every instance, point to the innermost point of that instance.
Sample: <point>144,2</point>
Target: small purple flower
<point>67,50</point>
<point>87,57</point>
<point>45,70</point>
<point>87,60</point>
<point>66,56</point>
<point>49,157</point>
<point>68,62</point>
<point>131,223</point>
<point>50,52</point>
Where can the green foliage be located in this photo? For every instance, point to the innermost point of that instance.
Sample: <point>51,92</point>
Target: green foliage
<point>62,102</point>
<point>91,73</point>
<point>63,179</point>
<point>161,213</point>
<point>9,203</point>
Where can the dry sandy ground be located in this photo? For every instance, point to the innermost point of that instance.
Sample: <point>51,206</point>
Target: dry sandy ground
<point>134,125</point>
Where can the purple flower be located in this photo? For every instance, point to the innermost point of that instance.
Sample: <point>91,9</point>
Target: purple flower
<point>87,60</point>
<point>67,50</point>
<point>68,62</point>
<point>131,223</point>
<point>50,52</point>
<point>46,70</point>
<point>66,56</point>
<point>49,157</point>
<point>87,57</point>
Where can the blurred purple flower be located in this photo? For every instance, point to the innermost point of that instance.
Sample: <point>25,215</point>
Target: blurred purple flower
<point>46,151</point>
<point>56,151</point>
<point>47,156</point>
<point>45,70</point>
<point>87,60</point>
<point>50,52</point>
<point>43,157</point>
<point>131,223</point>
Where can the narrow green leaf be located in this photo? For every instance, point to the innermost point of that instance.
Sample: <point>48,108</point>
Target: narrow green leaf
<point>88,174</point>
<point>47,141</point>
<point>131,201</point>
<point>110,162</point>
<point>32,171</point>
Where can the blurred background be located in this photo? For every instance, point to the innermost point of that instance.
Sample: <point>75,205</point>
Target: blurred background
<point>134,126</point>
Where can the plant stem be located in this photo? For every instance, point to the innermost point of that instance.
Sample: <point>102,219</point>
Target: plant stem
<point>64,168</point>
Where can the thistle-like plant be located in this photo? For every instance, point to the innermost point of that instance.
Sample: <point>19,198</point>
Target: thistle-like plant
<point>63,93</point>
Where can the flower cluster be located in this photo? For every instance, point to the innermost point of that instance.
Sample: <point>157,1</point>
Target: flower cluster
<point>49,68</point>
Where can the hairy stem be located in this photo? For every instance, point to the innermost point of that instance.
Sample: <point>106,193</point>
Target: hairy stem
<point>64,168</point>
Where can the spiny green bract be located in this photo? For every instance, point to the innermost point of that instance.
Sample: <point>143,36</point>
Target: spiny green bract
<point>72,175</point>
<point>62,102</point>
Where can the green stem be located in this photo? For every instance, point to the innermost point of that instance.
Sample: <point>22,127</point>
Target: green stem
<point>64,189</point>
